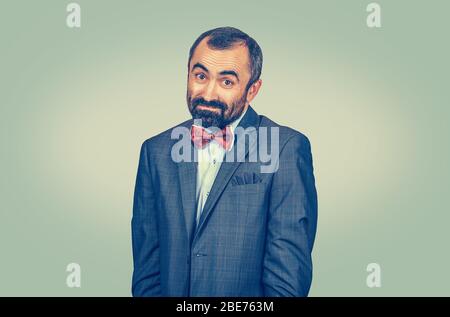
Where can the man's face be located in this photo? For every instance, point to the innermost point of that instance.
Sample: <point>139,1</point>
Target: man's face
<point>217,82</point>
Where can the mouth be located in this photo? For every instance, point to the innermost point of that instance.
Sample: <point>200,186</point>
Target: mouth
<point>207,107</point>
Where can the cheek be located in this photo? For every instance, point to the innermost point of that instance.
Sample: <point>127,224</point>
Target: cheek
<point>227,98</point>
<point>194,88</point>
<point>231,95</point>
<point>238,96</point>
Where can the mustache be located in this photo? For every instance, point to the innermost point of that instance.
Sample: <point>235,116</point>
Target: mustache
<point>213,103</point>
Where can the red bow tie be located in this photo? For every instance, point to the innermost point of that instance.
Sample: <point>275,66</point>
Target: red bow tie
<point>200,137</point>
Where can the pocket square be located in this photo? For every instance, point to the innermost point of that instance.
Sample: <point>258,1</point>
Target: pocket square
<point>246,179</point>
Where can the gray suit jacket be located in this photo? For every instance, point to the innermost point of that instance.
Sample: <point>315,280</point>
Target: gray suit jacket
<point>256,232</point>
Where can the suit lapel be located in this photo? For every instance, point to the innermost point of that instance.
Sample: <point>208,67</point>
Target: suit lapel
<point>187,176</point>
<point>227,169</point>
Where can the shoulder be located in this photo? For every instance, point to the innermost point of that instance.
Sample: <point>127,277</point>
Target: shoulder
<point>288,137</point>
<point>159,143</point>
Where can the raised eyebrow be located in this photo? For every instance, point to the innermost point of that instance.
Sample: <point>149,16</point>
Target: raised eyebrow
<point>229,72</point>
<point>200,65</point>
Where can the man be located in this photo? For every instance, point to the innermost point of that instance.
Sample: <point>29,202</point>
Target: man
<point>207,225</point>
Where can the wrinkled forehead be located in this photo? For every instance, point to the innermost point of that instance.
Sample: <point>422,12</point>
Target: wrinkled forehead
<point>234,58</point>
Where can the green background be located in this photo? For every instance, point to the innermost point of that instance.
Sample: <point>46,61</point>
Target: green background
<point>76,104</point>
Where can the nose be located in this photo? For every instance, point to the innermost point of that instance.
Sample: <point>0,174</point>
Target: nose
<point>210,91</point>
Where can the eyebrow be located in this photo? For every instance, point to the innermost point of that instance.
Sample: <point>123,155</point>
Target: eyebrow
<point>224,72</point>
<point>229,72</point>
<point>200,65</point>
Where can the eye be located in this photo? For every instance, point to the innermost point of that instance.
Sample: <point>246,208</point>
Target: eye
<point>200,76</point>
<point>228,83</point>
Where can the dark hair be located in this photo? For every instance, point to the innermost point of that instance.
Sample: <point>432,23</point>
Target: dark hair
<point>225,37</point>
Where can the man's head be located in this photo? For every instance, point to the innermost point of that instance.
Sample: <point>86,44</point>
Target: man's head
<point>223,75</point>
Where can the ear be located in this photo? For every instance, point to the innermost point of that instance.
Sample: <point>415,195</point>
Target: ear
<point>253,90</point>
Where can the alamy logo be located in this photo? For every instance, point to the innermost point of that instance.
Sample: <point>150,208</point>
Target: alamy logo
<point>74,277</point>
<point>263,143</point>
<point>73,19</point>
<point>374,18</point>
<point>374,277</point>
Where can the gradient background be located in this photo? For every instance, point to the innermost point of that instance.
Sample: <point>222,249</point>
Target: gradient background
<point>76,104</point>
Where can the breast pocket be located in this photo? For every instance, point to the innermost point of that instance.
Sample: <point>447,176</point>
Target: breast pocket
<point>246,200</point>
<point>247,178</point>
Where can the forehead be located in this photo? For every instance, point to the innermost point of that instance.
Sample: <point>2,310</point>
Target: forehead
<point>234,58</point>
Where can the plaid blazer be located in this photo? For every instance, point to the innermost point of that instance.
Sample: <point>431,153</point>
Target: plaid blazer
<point>255,234</point>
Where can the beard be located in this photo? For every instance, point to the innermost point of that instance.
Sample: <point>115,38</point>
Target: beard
<point>215,113</point>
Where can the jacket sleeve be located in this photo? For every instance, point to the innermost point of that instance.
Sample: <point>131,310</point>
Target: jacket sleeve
<point>292,222</point>
<point>144,228</point>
